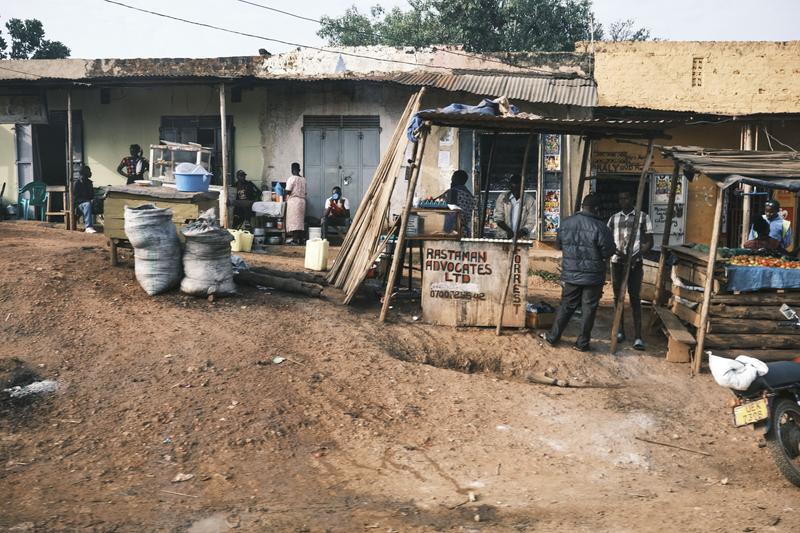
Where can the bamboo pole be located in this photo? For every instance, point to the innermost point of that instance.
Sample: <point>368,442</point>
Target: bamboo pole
<point>401,237</point>
<point>514,225</point>
<point>662,260</point>
<point>618,309</point>
<point>587,149</point>
<point>485,199</point>
<point>712,262</point>
<point>223,214</point>
<point>69,208</point>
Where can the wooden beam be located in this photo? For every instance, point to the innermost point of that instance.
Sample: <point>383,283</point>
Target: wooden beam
<point>485,199</point>
<point>763,355</point>
<point>223,209</point>
<point>515,224</point>
<point>401,237</point>
<point>747,143</point>
<point>709,285</point>
<point>69,208</point>
<point>587,149</point>
<point>674,328</point>
<point>618,308</point>
<point>662,260</point>
<point>750,325</point>
<point>747,340</point>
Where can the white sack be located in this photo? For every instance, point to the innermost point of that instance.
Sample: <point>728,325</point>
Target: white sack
<point>736,374</point>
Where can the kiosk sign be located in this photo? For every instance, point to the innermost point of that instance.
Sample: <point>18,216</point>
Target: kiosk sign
<point>462,283</point>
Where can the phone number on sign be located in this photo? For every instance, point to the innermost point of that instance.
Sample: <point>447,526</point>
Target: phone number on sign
<point>457,295</point>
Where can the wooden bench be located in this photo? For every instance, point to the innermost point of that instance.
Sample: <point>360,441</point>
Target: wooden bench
<point>680,340</point>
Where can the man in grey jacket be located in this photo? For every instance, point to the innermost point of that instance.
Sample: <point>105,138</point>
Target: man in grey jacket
<point>586,245</point>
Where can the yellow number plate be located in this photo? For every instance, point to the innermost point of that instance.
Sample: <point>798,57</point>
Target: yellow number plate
<point>750,413</point>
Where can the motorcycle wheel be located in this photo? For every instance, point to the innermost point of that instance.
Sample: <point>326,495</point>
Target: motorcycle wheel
<point>783,439</point>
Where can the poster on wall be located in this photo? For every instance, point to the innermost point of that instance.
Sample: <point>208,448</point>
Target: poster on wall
<point>661,184</point>
<point>552,213</point>
<point>552,153</point>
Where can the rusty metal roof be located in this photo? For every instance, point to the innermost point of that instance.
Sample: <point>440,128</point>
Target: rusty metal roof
<point>536,89</point>
<point>526,122</point>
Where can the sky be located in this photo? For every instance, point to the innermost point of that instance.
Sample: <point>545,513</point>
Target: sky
<point>96,29</point>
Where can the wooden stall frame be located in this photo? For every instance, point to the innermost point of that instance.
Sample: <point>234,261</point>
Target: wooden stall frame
<point>587,150</point>
<point>401,237</point>
<point>514,223</point>
<point>223,204</point>
<point>70,215</point>
<point>620,301</point>
<point>658,299</point>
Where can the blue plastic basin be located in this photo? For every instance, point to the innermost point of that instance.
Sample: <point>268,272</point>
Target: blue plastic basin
<point>192,182</point>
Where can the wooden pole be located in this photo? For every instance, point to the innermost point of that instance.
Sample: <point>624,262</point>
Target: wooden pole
<point>587,148</point>
<point>401,237</point>
<point>223,204</point>
<point>662,260</point>
<point>618,309</point>
<point>485,199</point>
<point>712,262</point>
<point>515,224</point>
<point>69,208</point>
<point>746,144</point>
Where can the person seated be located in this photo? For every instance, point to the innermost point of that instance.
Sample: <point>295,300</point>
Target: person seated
<point>337,211</point>
<point>246,194</point>
<point>83,197</point>
<point>760,238</point>
<point>507,209</point>
<point>459,195</point>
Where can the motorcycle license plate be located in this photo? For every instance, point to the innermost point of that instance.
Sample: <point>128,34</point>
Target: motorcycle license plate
<point>750,413</point>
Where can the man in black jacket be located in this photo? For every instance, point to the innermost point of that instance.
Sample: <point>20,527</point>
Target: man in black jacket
<point>586,245</point>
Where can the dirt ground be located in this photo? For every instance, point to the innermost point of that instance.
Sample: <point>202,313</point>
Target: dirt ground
<point>364,427</point>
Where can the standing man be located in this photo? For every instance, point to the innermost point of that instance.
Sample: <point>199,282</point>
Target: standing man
<point>586,244</point>
<point>778,227</point>
<point>506,210</point>
<point>134,166</point>
<point>337,211</point>
<point>83,194</point>
<point>621,225</point>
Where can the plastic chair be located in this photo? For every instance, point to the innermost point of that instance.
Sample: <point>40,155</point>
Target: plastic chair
<point>37,197</point>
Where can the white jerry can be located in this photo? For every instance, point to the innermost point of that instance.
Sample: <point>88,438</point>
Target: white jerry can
<point>317,254</point>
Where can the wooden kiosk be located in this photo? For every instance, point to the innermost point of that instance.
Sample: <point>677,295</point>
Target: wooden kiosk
<point>372,230</point>
<point>724,319</point>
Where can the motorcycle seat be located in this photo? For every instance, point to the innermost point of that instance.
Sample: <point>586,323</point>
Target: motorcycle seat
<point>781,374</point>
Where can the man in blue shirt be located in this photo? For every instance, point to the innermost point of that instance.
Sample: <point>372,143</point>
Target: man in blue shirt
<point>779,228</point>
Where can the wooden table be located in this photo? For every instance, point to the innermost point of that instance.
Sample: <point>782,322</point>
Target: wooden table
<point>186,207</point>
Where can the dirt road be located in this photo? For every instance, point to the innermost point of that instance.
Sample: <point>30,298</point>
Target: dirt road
<point>362,428</point>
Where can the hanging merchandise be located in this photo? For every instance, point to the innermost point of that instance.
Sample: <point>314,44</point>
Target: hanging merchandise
<point>157,249</point>
<point>552,213</point>
<point>552,153</point>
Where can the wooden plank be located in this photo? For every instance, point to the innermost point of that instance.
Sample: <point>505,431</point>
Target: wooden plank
<point>763,355</point>
<point>751,340</point>
<point>749,325</point>
<point>743,311</point>
<point>773,298</point>
<point>686,294</point>
<point>163,193</point>
<point>686,314</point>
<point>678,352</point>
<point>674,327</point>
<point>709,285</point>
<point>695,276</point>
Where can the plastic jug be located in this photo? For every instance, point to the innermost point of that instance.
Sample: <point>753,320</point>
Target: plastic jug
<point>246,241</point>
<point>316,254</point>
<point>236,243</point>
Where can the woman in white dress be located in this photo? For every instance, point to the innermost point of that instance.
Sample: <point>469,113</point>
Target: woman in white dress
<point>295,205</point>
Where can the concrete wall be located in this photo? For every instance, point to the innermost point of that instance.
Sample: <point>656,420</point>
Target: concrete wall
<point>737,78</point>
<point>8,171</point>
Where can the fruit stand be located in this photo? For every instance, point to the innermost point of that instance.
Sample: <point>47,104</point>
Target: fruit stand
<point>729,299</point>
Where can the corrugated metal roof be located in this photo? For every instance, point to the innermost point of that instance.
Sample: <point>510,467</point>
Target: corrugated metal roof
<point>535,123</point>
<point>536,89</point>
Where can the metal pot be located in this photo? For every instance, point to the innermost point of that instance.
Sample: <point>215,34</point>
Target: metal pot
<point>259,232</point>
<point>269,224</point>
<point>275,239</point>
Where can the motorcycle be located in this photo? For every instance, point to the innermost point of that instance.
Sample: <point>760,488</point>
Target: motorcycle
<point>771,403</point>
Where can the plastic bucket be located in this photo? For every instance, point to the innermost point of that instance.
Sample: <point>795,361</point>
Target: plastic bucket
<point>192,182</point>
<point>314,233</point>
